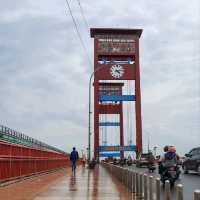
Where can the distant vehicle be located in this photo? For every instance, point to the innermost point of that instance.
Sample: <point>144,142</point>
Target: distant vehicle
<point>129,162</point>
<point>181,160</point>
<point>145,159</point>
<point>192,161</point>
<point>116,161</point>
<point>122,161</point>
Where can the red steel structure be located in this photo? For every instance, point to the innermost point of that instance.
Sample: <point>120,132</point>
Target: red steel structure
<point>21,155</point>
<point>106,88</point>
<point>110,46</point>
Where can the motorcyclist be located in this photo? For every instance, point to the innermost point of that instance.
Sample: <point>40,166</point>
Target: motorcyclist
<point>169,159</point>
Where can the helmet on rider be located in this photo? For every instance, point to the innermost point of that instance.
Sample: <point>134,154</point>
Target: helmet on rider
<point>166,148</point>
<point>172,149</point>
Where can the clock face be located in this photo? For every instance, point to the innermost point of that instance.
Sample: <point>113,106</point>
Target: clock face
<point>117,71</point>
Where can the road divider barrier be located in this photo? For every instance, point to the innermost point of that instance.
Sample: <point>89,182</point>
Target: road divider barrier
<point>144,186</point>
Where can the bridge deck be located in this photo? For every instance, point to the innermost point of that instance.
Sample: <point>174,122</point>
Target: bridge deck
<point>86,184</point>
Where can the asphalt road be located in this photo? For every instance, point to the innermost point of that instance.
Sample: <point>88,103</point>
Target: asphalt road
<point>189,181</point>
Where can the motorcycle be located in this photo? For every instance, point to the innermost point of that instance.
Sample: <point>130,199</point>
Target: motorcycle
<point>129,162</point>
<point>151,167</point>
<point>171,174</point>
<point>122,162</point>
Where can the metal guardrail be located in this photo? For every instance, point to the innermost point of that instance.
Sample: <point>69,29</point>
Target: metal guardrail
<point>145,187</point>
<point>9,135</point>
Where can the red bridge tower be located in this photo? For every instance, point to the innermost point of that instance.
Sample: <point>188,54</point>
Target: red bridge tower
<point>116,57</point>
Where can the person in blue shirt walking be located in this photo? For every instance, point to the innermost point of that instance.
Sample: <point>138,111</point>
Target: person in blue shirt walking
<point>73,158</point>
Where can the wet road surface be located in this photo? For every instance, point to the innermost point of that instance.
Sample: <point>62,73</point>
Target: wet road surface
<point>28,189</point>
<point>63,185</point>
<point>87,185</point>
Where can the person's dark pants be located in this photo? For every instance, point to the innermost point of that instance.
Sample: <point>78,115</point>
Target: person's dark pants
<point>161,168</point>
<point>73,165</point>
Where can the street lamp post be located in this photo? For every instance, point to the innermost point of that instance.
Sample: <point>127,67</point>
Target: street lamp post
<point>90,112</point>
<point>148,140</point>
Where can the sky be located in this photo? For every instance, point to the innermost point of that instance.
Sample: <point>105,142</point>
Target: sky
<point>44,69</point>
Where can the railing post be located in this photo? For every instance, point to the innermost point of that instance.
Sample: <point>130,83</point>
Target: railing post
<point>124,176</point>
<point>127,177</point>
<point>150,187</point>
<point>134,182</point>
<point>124,182</point>
<point>117,172</point>
<point>137,184</point>
<point>120,174</point>
<point>197,195</point>
<point>129,180</point>
<point>145,187</point>
<point>141,185</point>
<point>167,190</point>
<point>179,192</point>
<point>157,188</point>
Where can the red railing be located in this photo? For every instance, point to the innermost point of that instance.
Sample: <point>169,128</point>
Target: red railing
<point>18,160</point>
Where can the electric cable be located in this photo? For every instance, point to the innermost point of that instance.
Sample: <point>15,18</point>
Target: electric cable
<point>78,33</point>
<point>83,15</point>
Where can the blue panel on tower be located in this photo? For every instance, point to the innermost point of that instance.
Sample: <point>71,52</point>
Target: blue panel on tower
<point>109,155</point>
<point>117,98</point>
<point>109,124</point>
<point>121,62</point>
<point>117,148</point>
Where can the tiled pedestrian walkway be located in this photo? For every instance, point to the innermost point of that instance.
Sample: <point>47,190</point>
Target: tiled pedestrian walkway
<point>85,185</point>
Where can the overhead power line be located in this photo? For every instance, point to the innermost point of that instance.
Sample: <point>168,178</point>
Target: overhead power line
<point>78,33</point>
<point>83,15</point>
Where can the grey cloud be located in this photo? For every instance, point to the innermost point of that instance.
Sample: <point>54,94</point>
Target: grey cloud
<point>44,71</point>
